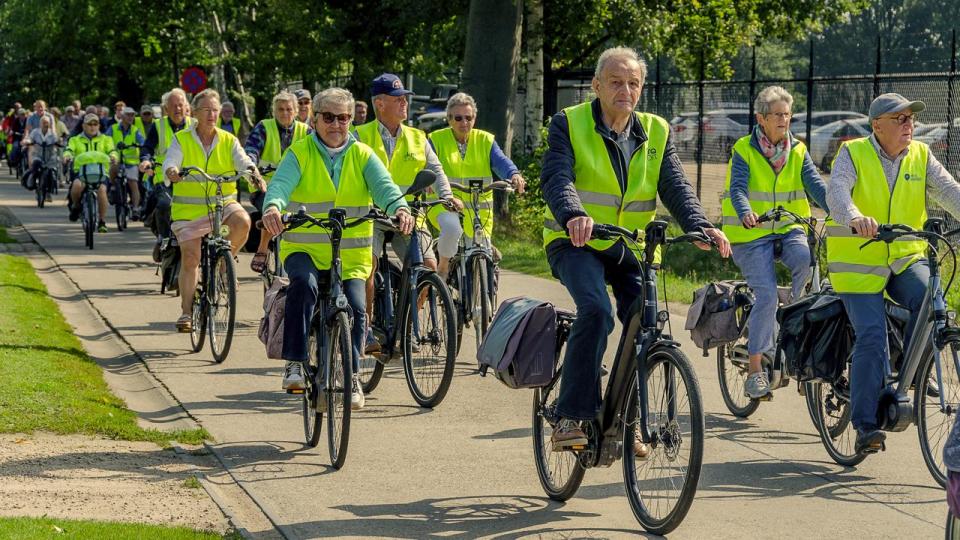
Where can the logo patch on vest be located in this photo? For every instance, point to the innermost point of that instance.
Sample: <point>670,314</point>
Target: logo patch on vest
<point>913,177</point>
<point>651,153</point>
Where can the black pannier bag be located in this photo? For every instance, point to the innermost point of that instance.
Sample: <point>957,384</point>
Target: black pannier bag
<point>520,345</point>
<point>712,318</point>
<point>816,337</point>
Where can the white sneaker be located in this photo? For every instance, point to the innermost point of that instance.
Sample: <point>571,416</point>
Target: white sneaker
<point>293,376</point>
<point>356,397</point>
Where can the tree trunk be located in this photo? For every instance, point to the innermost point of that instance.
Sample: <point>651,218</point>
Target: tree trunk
<point>533,111</point>
<point>489,73</point>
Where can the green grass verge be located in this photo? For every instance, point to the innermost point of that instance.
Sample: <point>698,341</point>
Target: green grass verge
<point>47,381</point>
<point>64,528</point>
<point>5,238</point>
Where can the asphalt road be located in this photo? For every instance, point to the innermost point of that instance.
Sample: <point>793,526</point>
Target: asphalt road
<point>466,468</point>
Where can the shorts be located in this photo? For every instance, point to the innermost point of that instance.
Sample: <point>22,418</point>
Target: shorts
<point>131,172</point>
<point>401,242</point>
<point>198,228</point>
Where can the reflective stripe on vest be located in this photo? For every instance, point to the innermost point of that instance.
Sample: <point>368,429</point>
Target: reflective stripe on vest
<point>474,165</point>
<point>131,156</point>
<point>865,270</point>
<point>597,184</point>
<point>195,197</point>
<point>409,155</point>
<point>271,146</point>
<point>766,191</point>
<point>315,191</point>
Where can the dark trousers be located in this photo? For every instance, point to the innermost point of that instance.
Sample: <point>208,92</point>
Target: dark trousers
<point>871,354</point>
<point>302,294</point>
<point>585,273</point>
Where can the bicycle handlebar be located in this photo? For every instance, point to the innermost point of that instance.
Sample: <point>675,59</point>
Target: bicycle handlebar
<point>778,214</point>
<point>500,185</point>
<point>220,178</point>
<point>612,232</point>
<point>301,218</point>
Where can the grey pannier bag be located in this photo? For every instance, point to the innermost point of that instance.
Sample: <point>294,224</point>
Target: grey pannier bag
<point>271,325</point>
<point>712,319</point>
<point>520,345</point>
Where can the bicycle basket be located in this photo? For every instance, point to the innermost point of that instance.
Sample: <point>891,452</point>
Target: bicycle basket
<point>92,173</point>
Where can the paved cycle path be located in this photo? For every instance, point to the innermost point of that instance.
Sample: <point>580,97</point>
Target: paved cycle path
<point>466,468</point>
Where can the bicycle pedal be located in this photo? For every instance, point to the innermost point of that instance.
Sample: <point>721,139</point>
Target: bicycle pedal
<point>296,392</point>
<point>768,397</point>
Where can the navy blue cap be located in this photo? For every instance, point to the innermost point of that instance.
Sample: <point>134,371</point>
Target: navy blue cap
<point>389,84</point>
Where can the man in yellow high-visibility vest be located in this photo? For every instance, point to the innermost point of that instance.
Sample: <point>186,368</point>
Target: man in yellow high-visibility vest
<point>880,179</point>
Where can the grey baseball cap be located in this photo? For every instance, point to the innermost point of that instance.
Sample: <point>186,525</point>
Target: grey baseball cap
<point>302,93</point>
<point>888,103</point>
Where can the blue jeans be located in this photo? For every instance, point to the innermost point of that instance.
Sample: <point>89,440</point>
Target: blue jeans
<point>757,262</point>
<point>302,294</point>
<point>871,354</point>
<point>585,273</point>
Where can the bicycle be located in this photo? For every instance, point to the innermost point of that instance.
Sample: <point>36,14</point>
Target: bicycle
<point>935,382</point>
<point>733,360</point>
<point>121,204</point>
<point>649,371</point>
<point>328,371</point>
<point>89,214</point>
<point>475,271</point>
<point>46,181</point>
<point>426,331</point>
<point>215,298</point>
<point>274,266</point>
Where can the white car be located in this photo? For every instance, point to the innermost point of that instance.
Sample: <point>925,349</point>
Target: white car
<point>818,119</point>
<point>722,128</point>
<point>825,141</point>
<point>432,121</point>
<point>683,131</point>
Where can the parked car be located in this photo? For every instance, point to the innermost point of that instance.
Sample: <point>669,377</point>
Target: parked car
<point>683,131</point>
<point>826,140</point>
<point>798,125</point>
<point>431,121</point>
<point>721,129</point>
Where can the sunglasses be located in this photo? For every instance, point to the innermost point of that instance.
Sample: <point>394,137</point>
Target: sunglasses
<point>329,117</point>
<point>459,118</point>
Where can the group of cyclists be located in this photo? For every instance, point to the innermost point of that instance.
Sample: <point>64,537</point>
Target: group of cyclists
<point>605,164</point>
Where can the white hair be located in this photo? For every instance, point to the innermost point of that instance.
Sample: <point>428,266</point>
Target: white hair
<point>334,95</point>
<point>621,53</point>
<point>461,98</point>
<point>209,93</point>
<point>174,92</point>
<point>770,95</point>
<point>282,96</point>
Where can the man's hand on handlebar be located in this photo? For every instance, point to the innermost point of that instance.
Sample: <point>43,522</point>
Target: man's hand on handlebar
<point>750,220</point>
<point>273,221</point>
<point>145,166</point>
<point>864,226</point>
<point>453,204</point>
<point>720,239</point>
<point>405,221</point>
<point>256,180</point>
<point>580,229</point>
<point>519,183</point>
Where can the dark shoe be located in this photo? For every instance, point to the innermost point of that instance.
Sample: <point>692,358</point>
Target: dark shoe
<point>567,435</point>
<point>135,215</point>
<point>869,441</point>
<point>156,253</point>
<point>372,345</point>
<point>102,227</point>
<point>75,213</point>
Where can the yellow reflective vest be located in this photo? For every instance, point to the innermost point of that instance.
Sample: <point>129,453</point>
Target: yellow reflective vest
<point>474,165</point>
<point>317,194</point>
<point>866,270</point>
<point>130,156</point>
<point>271,153</point>
<point>234,122</point>
<point>193,196</point>
<point>409,156</point>
<point>766,191</point>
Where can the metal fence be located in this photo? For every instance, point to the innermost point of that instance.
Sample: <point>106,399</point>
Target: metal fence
<point>708,116</point>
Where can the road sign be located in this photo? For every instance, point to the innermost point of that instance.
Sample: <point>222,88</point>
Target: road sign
<point>193,79</point>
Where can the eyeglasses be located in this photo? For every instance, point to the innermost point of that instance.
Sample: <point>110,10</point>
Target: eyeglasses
<point>92,124</point>
<point>206,109</point>
<point>781,115</point>
<point>329,117</point>
<point>304,102</point>
<point>459,118</point>
<point>902,119</point>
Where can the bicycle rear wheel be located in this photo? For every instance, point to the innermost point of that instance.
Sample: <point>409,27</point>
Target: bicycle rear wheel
<point>560,473</point>
<point>222,304</point>
<point>89,211</point>
<point>339,388</point>
<point>119,204</point>
<point>479,297</point>
<point>830,408</point>
<point>429,341</point>
<point>313,402</point>
<point>661,487</point>
<point>934,420</point>
<point>199,324</point>
<point>39,191</point>
<point>733,366</point>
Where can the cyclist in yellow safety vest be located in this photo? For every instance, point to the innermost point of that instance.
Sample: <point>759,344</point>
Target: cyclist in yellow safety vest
<point>881,179</point>
<point>216,152</point>
<point>769,169</point>
<point>266,144</point>
<point>470,154</point>
<point>145,121</point>
<point>96,150</point>
<point>127,133</point>
<point>228,122</point>
<point>327,170</point>
<point>607,164</point>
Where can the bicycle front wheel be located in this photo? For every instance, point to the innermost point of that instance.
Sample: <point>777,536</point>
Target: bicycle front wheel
<point>313,402</point>
<point>937,396</point>
<point>560,473</point>
<point>199,324</point>
<point>733,367</point>
<point>339,388</point>
<point>830,407</point>
<point>480,298</point>
<point>661,485</point>
<point>222,305</point>
<point>429,341</point>
<point>89,211</point>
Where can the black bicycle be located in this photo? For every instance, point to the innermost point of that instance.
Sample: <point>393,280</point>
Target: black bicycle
<point>328,372</point>
<point>215,298</point>
<point>733,360</point>
<point>92,177</point>
<point>274,265</point>
<point>929,368</point>
<point>652,396</point>
<point>474,272</point>
<point>425,332</point>
<point>121,193</point>
<point>47,177</point>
